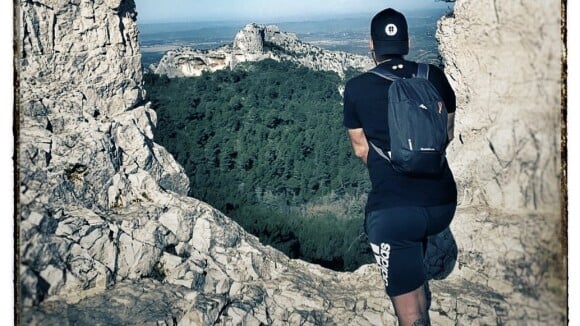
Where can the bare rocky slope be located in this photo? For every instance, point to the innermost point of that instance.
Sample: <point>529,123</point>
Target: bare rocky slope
<point>107,235</point>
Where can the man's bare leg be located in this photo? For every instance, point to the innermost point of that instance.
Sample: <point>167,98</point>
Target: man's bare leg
<point>411,308</point>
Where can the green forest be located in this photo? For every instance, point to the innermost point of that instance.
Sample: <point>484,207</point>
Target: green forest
<point>265,144</point>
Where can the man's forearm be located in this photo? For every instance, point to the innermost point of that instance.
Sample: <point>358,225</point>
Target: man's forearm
<point>359,143</point>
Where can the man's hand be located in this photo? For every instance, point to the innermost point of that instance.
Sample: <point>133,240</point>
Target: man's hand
<point>359,143</point>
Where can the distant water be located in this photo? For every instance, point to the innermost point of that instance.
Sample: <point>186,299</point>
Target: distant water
<point>344,34</point>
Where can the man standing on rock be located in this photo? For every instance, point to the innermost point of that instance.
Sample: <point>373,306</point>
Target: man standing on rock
<point>402,210</point>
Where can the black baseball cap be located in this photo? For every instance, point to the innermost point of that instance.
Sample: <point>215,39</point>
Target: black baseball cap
<point>389,33</point>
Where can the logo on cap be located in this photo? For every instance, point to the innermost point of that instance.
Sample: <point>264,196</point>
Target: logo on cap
<point>391,29</point>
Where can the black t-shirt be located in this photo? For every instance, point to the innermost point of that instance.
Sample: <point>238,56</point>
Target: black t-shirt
<point>365,106</point>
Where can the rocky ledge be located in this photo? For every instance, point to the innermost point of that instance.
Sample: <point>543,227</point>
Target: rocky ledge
<point>173,260</point>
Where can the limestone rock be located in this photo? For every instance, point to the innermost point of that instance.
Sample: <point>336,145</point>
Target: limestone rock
<point>254,43</point>
<point>86,147</point>
<point>503,59</point>
<point>250,39</point>
<point>236,280</point>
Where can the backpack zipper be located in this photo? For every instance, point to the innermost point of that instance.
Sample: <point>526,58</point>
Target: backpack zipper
<point>410,144</point>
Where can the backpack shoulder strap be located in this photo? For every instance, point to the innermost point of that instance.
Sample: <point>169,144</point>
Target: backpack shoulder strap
<point>423,70</point>
<point>383,73</point>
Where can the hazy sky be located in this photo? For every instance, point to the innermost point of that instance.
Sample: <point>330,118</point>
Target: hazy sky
<point>271,10</point>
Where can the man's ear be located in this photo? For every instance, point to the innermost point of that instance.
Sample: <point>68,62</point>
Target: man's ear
<point>409,42</point>
<point>371,45</point>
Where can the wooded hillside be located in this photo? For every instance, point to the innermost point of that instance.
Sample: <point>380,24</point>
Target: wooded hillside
<point>265,144</point>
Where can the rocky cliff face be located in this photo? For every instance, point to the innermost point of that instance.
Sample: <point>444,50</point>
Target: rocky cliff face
<point>254,43</point>
<point>107,235</point>
<point>504,60</point>
<point>85,145</point>
<point>508,79</point>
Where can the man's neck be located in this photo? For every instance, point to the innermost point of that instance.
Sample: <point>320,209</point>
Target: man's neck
<point>394,57</point>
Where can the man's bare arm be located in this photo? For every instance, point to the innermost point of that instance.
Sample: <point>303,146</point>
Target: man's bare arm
<point>359,143</point>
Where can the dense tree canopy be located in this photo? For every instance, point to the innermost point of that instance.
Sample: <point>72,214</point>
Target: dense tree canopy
<point>261,141</point>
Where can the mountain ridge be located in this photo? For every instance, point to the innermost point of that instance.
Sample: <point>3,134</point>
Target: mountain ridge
<point>257,42</point>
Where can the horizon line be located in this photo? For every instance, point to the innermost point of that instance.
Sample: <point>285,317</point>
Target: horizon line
<point>288,19</point>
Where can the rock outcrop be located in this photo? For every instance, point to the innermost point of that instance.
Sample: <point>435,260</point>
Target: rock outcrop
<point>254,43</point>
<point>107,235</point>
<point>505,61</point>
<point>85,145</point>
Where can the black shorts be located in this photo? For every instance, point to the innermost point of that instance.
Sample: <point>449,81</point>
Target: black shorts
<point>397,237</point>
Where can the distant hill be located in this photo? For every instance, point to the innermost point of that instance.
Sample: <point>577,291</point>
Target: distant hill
<point>255,43</point>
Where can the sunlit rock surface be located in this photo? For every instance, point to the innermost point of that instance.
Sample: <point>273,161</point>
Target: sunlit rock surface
<point>504,60</point>
<point>107,235</point>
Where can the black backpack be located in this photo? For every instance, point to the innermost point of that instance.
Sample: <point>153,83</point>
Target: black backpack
<point>417,120</point>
